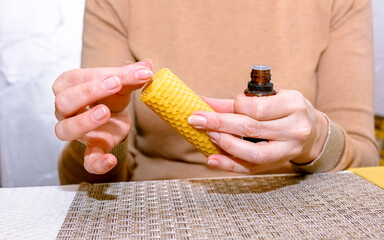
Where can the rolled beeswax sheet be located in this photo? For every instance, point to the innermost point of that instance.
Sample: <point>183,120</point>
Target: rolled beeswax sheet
<point>174,102</point>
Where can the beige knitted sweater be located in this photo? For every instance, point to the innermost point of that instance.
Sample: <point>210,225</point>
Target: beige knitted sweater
<point>322,48</point>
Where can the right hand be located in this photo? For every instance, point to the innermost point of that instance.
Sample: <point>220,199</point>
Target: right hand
<point>91,106</point>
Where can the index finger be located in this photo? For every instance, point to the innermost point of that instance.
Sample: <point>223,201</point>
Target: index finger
<point>132,76</point>
<point>284,103</point>
<point>220,105</point>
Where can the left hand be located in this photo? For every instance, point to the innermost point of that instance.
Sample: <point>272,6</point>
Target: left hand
<point>295,129</point>
<point>91,107</point>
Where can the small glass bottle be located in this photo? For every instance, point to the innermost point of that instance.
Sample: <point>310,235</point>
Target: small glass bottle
<point>259,86</point>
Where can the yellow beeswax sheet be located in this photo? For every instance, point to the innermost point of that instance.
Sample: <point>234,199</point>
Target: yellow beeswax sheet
<point>372,174</point>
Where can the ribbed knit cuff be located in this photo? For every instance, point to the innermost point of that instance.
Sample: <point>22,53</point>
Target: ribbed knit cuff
<point>120,151</point>
<point>330,154</point>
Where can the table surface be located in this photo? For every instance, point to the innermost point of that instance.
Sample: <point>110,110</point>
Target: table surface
<point>34,212</point>
<point>41,212</point>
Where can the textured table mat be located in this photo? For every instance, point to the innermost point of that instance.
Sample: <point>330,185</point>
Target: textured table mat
<point>319,206</point>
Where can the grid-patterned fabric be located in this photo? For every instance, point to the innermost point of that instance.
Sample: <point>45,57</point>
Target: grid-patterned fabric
<point>319,206</point>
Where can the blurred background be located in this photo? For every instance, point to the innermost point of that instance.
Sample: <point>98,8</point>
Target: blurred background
<point>40,39</point>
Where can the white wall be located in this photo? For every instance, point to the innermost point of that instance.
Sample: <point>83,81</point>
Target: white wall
<point>39,39</point>
<point>378,24</point>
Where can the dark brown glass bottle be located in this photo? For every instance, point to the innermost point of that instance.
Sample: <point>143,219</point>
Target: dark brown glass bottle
<point>259,86</point>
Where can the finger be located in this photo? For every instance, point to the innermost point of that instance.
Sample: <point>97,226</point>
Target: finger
<point>146,62</point>
<point>255,153</point>
<point>96,161</point>
<point>77,126</point>
<point>232,164</point>
<point>108,86</point>
<point>228,164</point>
<point>119,101</point>
<point>238,124</point>
<point>58,115</point>
<point>132,76</point>
<point>220,105</point>
<point>284,103</point>
<point>74,98</point>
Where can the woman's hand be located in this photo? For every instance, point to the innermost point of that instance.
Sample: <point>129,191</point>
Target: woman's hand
<point>295,129</point>
<point>91,108</point>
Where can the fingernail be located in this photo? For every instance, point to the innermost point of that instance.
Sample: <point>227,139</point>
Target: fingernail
<point>197,121</point>
<point>111,83</point>
<point>214,135</point>
<point>213,163</point>
<point>143,74</point>
<point>108,163</point>
<point>99,114</point>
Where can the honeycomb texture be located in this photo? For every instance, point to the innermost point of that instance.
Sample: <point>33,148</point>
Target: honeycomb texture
<point>174,102</point>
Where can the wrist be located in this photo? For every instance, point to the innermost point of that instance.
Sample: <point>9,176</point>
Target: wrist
<point>330,155</point>
<point>318,144</point>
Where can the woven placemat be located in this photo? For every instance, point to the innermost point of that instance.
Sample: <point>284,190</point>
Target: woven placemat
<point>319,206</point>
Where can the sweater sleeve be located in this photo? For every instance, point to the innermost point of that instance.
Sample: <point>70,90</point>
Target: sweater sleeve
<point>345,82</point>
<point>104,45</point>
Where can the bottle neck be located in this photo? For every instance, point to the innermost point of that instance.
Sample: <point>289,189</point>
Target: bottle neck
<point>260,84</point>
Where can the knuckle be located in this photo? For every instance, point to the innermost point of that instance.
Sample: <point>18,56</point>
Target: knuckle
<point>259,109</point>
<point>58,115</point>
<point>250,128</point>
<point>231,166</point>
<point>237,105</point>
<point>107,141</point>
<point>301,105</point>
<point>60,103</point>
<point>299,100</point>
<point>110,142</point>
<point>88,165</point>
<point>250,106</point>
<point>81,124</point>
<point>74,74</point>
<point>59,132</point>
<point>260,157</point>
<point>296,150</point>
<point>88,91</point>
<point>227,145</point>
<point>57,85</point>
<point>293,93</point>
<point>125,122</point>
<point>127,72</point>
<point>217,123</point>
<point>304,132</point>
<point>64,77</point>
